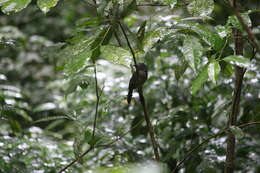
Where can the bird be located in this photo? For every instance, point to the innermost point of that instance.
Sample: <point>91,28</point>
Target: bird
<point>137,80</point>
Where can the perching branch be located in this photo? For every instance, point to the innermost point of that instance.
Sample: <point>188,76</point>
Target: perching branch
<point>142,100</point>
<point>128,43</point>
<point>191,151</point>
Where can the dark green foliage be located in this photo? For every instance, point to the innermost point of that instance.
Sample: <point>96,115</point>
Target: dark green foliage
<point>48,87</point>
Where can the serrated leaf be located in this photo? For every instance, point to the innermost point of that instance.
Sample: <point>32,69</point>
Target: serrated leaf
<point>237,132</point>
<point>200,80</point>
<point>238,60</point>
<point>201,7</point>
<point>45,5</point>
<point>9,6</point>
<point>213,71</point>
<point>116,55</point>
<point>192,51</point>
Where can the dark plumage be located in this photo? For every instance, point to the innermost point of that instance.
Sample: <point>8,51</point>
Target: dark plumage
<point>137,80</point>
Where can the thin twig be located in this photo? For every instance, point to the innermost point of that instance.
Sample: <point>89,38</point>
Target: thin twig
<point>148,121</point>
<point>152,5</point>
<point>97,102</point>
<point>191,151</point>
<point>128,43</point>
<point>149,125</point>
<point>93,146</point>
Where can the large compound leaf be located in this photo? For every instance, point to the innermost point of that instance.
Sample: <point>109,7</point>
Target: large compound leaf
<point>45,5</point>
<point>116,55</point>
<point>10,6</point>
<point>201,7</point>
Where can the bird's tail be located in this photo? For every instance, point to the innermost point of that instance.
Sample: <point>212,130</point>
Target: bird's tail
<point>129,96</point>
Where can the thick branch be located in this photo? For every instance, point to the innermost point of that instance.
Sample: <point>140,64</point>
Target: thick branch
<point>239,75</point>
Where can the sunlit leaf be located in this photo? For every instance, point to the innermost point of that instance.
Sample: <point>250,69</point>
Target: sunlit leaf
<point>238,60</point>
<point>116,55</point>
<point>9,6</point>
<point>192,51</point>
<point>223,31</point>
<point>213,71</point>
<point>201,7</point>
<point>200,80</point>
<point>45,5</point>
<point>237,132</point>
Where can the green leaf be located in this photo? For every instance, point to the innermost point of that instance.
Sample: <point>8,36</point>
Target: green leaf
<point>180,69</point>
<point>192,51</point>
<point>45,5</point>
<point>129,9</point>
<point>237,132</point>
<point>77,55</point>
<point>140,35</point>
<point>171,3</point>
<point>232,20</point>
<point>213,71</point>
<point>200,80</point>
<point>9,6</point>
<point>223,31</point>
<point>238,61</point>
<point>116,55</point>
<point>102,39</point>
<point>78,62</point>
<point>209,36</point>
<point>201,7</point>
<point>150,38</point>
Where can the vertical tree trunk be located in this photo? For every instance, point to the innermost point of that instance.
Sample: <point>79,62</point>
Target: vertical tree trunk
<point>239,74</point>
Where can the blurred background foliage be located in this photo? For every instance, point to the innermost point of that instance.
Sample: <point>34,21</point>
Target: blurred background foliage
<point>48,96</point>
